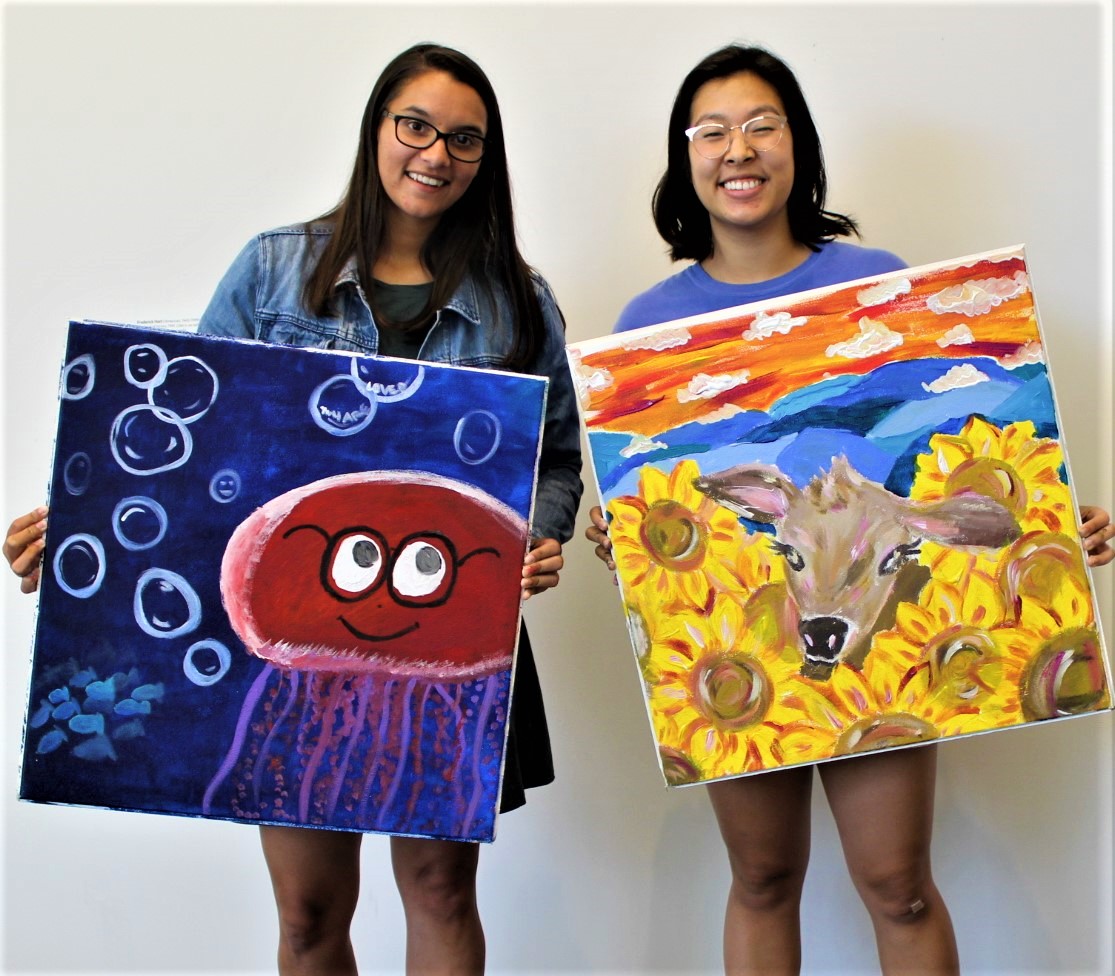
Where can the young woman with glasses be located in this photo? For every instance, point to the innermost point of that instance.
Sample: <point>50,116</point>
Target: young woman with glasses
<point>743,197</point>
<point>419,260</point>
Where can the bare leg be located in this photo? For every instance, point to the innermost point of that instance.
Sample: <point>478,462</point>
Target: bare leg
<point>437,882</point>
<point>316,878</point>
<point>883,805</point>
<point>764,821</point>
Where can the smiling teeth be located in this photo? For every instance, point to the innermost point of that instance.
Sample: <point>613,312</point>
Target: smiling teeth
<point>741,184</point>
<point>426,180</point>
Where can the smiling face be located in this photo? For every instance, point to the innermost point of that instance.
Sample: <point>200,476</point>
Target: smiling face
<point>422,184</point>
<point>744,191</point>
<point>391,572</point>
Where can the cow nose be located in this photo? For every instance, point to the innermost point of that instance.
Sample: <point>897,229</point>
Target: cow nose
<point>823,639</point>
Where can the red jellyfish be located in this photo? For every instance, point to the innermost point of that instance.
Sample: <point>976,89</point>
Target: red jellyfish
<point>374,599</point>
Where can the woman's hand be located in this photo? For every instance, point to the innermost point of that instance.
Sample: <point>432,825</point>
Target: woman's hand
<point>597,533</point>
<point>1097,532</point>
<point>23,548</point>
<point>542,566</point>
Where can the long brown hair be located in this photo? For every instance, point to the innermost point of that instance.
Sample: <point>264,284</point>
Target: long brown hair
<point>475,236</point>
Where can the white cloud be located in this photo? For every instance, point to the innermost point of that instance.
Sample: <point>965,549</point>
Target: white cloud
<point>641,444</point>
<point>589,381</point>
<point>705,387</point>
<point>959,335</point>
<point>873,338</point>
<point>721,413</point>
<point>978,297</point>
<point>883,292</point>
<point>660,340</point>
<point>959,376</point>
<point>1025,355</point>
<point>764,326</point>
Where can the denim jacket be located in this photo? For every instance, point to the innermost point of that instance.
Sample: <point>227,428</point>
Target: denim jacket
<point>260,297</point>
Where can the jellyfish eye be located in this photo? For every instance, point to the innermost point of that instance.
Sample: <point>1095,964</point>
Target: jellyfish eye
<point>424,570</point>
<point>356,564</point>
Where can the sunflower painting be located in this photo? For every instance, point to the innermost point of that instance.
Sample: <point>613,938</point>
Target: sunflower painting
<point>843,520</point>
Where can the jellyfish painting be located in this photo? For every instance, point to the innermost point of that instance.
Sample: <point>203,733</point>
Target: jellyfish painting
<point>372,599</point>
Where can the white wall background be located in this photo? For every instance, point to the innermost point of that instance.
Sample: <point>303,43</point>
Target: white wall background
<point>144,144</point>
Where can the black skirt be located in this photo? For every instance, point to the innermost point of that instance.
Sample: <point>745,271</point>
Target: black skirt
<point>528,761</point>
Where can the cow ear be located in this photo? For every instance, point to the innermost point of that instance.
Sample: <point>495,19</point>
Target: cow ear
<point>758,492</point>
<point>964,520</point>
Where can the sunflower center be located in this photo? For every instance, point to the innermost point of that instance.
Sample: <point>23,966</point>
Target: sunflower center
<point>733,693</point>
<point>673,536</point>
<point>957,659</point>
<point>992,478</point>
<point>883,732</point>
<point>1066,677</point>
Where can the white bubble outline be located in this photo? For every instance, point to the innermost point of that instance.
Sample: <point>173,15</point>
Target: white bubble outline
<point>357,385</point>
<point>160,373</point>
<point>70,482</point>
<point>189,594</point>
<point>213,492</point>
<point>204,410</point>
<point>224,655</point>
<point>82,592</point>
<point>168,416</point>
<point>86,358</point>
<point>404,394</point>
<point>495,440</point>
<point>156,509</point>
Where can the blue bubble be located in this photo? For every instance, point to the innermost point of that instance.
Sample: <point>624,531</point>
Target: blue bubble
<point>88,724</point>
<point>78,377</point>
<point>51,741</point>
<point>144,365</point>
<point>165,605</point>
<point>188,389</point>
<point>139,522</point>
<point>224,486</point>
<point>79,565</point>
<point>377,378</point>
<point>148,440</point>
<point>77,473</point>
<point>341,407</point>
<point>477,436</point>
<point>206,662</point>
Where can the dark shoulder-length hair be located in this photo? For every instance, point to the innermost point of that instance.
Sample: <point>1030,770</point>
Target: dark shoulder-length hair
<point>476,235</point>
<point>680,216</point>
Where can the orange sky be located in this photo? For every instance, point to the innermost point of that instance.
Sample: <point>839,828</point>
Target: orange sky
<point>643,385</point>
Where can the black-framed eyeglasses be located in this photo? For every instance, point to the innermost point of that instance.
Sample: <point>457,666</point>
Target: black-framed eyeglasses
<point>712,139</point>
<point>467,147</point>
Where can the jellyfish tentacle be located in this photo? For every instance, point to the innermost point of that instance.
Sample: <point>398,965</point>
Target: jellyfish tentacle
<point>388,797</point>
<point>416,751</point>
<point>491,691</point>
<point>365,685</point>
<point>377,756</point>
<point>240,734</point>
<point>324,741</point>
<point>293,680</point>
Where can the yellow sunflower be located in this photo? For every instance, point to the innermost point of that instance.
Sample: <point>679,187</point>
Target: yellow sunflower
<point>718,695</point>
<point>672,544</point>
<point>1013,466</point>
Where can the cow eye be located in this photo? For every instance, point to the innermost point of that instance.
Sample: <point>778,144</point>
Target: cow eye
<point>894,560</point>
<point>792,556</point>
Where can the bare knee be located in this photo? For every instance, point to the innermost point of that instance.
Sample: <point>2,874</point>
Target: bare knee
<point>899,893</point>
<point>767,886</point>
<point>309,924</point>
<point>442,890</point>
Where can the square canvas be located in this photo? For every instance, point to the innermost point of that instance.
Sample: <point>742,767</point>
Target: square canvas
<point>281,585</point>
<point>842,520</point>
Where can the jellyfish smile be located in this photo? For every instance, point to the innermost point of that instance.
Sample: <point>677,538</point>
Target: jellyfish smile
<point>382,637</point>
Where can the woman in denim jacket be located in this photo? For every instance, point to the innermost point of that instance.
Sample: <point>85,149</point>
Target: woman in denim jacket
<point>419,261</point>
